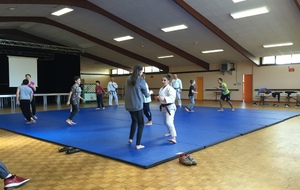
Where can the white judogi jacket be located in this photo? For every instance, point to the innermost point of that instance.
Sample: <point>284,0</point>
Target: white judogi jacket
<point>170,95</point>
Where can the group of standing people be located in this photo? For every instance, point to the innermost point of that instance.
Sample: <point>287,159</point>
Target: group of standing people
<point>25,98</point>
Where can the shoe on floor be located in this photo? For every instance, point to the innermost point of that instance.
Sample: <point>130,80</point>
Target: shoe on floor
<point>97,108</point>
<point>73,123</point>
<point>35,117</point>
<point>103,108</point>
<point>14,181</point>
<point>65,148</point>
<point>73,150</point>
<point>187,109</point>
<point>184,160</point>
<point>129,141</point>
<point>194,162</point>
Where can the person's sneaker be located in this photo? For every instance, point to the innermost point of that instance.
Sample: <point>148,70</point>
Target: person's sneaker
<point>14,181</point>
<point>97,108</point>
<point>187,109</point>
<point>103,108</point>
<point>194,162</point>
<point>35,117</point>
<point>183,159</point>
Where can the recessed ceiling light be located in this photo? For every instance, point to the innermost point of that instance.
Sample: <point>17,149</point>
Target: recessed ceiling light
<point>237,1</point>
<point>119,39</point>
<point>165,56</point>
<point>174,28</point>
<point>278,45</point>
<point>250,12</point>
<point>62,11</point>
<point>213,51</point>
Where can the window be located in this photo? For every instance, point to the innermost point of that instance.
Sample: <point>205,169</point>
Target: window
<point>296,58</point>
<point>148,69</point>
<point>281,59</point>
<point>268,60</point>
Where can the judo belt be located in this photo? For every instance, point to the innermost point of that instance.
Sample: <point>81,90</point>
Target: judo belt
<point>165,106</point>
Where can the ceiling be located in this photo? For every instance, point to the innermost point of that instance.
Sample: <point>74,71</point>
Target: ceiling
<point>93,24</point>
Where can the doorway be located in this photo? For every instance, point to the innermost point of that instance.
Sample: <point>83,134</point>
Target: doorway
<point>247,88</point>
<point>199,88</point>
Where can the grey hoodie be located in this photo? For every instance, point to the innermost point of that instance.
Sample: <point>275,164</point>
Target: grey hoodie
<point>134,95</point>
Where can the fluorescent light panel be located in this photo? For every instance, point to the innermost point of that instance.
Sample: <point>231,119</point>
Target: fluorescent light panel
<point>174,28</point>
<point>278,45</point>
<point>213,51</point>
<point>120,39</point>
<point>237,1</point>
<point>250,12</point>
<point>166,56</point>
<point>62,11</point>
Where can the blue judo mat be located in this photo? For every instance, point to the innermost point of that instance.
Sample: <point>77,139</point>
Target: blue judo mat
<point>106,132</point>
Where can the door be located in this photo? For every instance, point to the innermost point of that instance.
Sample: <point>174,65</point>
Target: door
<point>247,88</point>
<point>199,88</point>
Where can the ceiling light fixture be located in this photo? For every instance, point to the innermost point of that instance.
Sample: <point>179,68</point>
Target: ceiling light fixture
<point>278,45</point>
<point>166,56</point>
<point>250,12</point>
<point>237,1</point>
<point>174,28</point>
<point>62,11</point>
<point>120,39</point>
<point>213,51</point>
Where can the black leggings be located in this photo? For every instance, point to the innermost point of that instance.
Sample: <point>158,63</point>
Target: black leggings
<point>147,111</point>
<point>137,118</point>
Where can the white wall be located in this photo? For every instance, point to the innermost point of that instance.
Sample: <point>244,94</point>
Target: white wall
<point>272,77</point>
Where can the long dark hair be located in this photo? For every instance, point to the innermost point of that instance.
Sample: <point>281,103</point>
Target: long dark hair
<point>135,74</point>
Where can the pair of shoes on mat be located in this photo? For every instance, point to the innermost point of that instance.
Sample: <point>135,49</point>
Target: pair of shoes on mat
<point>187,159</point>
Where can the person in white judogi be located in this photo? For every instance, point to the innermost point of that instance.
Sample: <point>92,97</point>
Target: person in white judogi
<point>167,96</point>
<point>177,85</point>
<point>112,90</point>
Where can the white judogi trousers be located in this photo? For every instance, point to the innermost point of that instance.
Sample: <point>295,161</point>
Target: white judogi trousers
<point>111,96</point>
<point>169,121</point>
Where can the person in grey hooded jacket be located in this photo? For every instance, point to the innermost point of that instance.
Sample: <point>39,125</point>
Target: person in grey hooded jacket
<point>135,90</point>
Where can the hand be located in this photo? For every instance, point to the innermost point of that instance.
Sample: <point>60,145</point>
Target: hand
<point>18,102</point>
<point>151,92</point>
<point>83,100</point>
<point>68,103</point>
